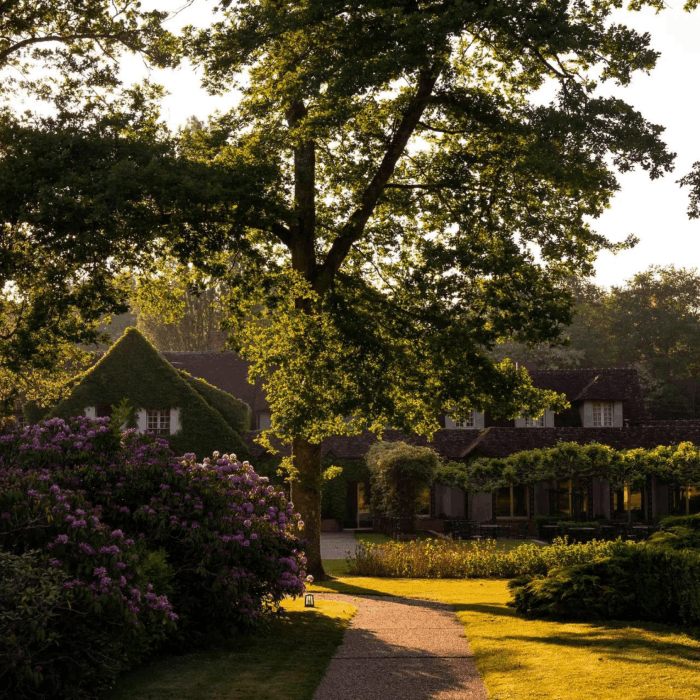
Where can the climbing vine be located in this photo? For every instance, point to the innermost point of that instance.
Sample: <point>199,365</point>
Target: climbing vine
<point>675,463</point>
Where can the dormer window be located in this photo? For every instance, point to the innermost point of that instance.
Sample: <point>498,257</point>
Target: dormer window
<point>158,422</point>
<point>602,414</point>
<point>470,422</point>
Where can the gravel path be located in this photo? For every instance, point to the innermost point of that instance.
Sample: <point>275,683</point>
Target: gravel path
<point>401,649</point>
<point>335,545</point>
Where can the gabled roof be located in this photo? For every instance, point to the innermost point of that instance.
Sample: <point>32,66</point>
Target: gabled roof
<point>225,370</point>
<point>605,384</point>
<point>460,445</point>
<point>133,369</point>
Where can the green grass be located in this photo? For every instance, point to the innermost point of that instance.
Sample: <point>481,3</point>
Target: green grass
<point>286,662</point>
<point>525,659</point>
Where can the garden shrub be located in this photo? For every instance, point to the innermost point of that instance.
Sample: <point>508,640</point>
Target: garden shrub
<point>637,582</point>
<point>692,522</point>
<point>680,532</point>
<point>85,610</point>
<point>124,519</point>
<point>398,474</point>
<point>480,559</point>
<point>227,532</point>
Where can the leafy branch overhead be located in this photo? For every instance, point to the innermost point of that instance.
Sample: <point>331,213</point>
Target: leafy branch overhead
<point>405,180</point>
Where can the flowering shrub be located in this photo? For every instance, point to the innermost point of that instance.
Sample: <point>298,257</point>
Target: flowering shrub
<point>481,559</point>
<point>74,605</point>
<point>228,534</point>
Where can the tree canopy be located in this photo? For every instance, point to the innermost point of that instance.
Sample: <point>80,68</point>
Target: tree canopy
<point>403,186</point>
<point>419,198</point>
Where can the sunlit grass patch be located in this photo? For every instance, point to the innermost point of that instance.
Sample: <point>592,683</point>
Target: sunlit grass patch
<point>525,659</point>
<point>286,662</point>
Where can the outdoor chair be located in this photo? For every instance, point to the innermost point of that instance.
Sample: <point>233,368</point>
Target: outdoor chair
<point>519,531</point>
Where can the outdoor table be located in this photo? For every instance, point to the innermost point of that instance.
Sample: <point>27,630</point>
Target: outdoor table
<point>488,528</point>
<point>585,530</point>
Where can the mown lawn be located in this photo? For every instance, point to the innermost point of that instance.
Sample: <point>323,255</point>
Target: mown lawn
<point>527,659</point>
<point>286,662</point>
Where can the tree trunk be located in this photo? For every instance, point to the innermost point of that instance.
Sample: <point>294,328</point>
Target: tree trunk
<point>306,496</point>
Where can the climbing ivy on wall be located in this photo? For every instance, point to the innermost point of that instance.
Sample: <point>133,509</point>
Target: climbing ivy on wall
<point>334,492</point>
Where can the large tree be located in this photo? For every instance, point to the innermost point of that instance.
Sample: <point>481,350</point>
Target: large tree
<point>76,184</point>
<point>424,176</point>
<point>655,322</point>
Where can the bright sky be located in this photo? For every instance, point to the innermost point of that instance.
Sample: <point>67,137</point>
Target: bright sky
<point>654,211</point>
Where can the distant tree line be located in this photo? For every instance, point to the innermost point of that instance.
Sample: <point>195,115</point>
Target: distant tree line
<point>652,321</point>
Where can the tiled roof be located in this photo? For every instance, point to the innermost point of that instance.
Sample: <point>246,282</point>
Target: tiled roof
<point>501,442</point>
<point>224,370</point>
<point>605,384</point>
<point>227,371</point>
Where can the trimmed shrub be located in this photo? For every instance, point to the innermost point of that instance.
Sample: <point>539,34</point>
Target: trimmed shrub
<point>398,474</point>
<point>637,583</point>
<point>484,559</point>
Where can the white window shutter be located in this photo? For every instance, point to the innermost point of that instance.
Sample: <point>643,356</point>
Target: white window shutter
<point>141,420</point>
<point>175,421</point>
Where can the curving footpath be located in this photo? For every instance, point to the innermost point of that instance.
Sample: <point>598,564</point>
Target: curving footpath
<point>401,649</point>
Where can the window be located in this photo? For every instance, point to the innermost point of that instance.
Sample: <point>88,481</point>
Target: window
<point>158,422</point>
<point>603,414</point>
<point>468,422</point>
<point>103,410</point>
<point>512,501</point>
<point>264,420</point>
<point>20,420</point>
<point>534,422</point>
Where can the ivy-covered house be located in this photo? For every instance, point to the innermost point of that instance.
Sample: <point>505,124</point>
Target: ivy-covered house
<point>190,413</point>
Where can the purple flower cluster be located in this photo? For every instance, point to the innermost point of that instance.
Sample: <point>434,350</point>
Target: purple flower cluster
<point>229,536</point>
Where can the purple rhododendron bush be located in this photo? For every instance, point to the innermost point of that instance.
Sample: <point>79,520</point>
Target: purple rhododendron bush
<point>134,547</point>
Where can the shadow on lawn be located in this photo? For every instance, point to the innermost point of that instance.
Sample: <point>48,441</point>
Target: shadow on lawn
<point>620,641</point>
<point>249,665</point>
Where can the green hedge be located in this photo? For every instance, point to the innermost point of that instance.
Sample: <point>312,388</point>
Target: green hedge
<point>235,412</point>
<point>636,583</point>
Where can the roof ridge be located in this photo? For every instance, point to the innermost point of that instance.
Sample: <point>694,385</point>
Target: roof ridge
<point>586,388</point>
<point>588,369</point>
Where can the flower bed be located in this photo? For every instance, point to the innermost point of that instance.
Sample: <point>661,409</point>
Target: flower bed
<point>483,559</point>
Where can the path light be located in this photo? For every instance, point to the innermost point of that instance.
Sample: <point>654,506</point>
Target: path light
<point>309,597</point>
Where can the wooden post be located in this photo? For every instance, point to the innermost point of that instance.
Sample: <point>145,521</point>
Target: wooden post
<point>629,502</point>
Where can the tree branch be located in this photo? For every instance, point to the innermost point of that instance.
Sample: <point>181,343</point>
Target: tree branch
<point>354,227</point>
<point>5,53</point>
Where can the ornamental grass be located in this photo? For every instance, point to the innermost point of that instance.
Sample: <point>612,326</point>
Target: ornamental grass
<point>481,559</point>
